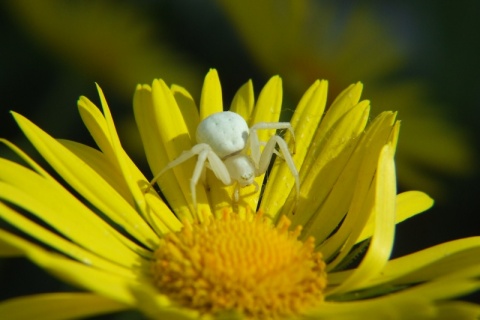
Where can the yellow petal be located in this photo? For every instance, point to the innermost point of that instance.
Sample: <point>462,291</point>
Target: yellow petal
<point>45,175</point>
<point>146,118</point>
<point>70,249</point>
<point>458,310</point>
<point>441,289</point>
<point>362,168</point>
<point>211,99</point>
<point>174,136</point>
<point>244,100</point>
<point>418,302</point>
<point>187,107</point>
<point>409,204</point>
<point>432,262</point>
<point>305,121</point>
<point>87,182</point>
<point>381,244</point>
<point>268,106</point>
<point>52,306</point>
<point>96,125</point>
<point>129,179</point>
<point>161,222</point>
<point>78,274</point>
<point>328,182</point>
<point>155,306</point>
<point>100,164</point>
<point>133,178</point>
<point>25,157</point>
<point>345,101</point>
<point>374,309</point>
<point>342,105</point>
<point>61,210</point>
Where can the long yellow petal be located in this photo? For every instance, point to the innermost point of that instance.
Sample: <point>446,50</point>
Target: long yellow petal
<point>305,121</point>
<point>419,302</point>
<point>58,306</point>
<point>61,210</point>
<point>149,125</point>
<point>268,106</point>
<point>409,204</point>
<point>69,248</point>
<point>381,244</point>
<point>362,193</point>
<point>130,180</point>
<point>211,99</point>
<point>97,160</point>
<point>458,310</point>
<point>342,105</point>
<point>28,160</point>
<point>423,265</point>
<point>174,136</point>
<point>78,274</point>
<point>244,101</point>
<point>328,185</point>
<point>89,184</point>
<point>187,107</point>
<point>432,262</point>
<point>132,177</point>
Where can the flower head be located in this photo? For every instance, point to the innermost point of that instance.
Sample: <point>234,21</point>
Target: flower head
<point>324,253</point>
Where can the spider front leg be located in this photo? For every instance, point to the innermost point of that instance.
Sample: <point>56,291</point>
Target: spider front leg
<point>205,153</point>
<point>197,149</point>
<point>213,163</point>
<point>255,144</point>
<point>267,154</point>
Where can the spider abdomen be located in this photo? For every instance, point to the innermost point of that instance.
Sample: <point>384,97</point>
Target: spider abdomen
<point>226,133</point>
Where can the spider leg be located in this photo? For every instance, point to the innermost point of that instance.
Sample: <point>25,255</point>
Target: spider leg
<point>197,173</point>
<point>267,154</point>
<point>236,193</point>
<point>278,154</point>
<point>218,167</point>
<point>255,144</point>
<point>197,149</point>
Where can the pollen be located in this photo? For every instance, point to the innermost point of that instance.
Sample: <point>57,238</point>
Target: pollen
<point>243,265</point>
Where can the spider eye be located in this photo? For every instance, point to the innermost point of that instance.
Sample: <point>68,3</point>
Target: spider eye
<point>247,176</point>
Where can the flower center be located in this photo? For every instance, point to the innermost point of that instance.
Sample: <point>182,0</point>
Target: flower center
<point>243,265</point>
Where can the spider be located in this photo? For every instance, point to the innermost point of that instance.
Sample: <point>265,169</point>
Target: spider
<point>223,141</point>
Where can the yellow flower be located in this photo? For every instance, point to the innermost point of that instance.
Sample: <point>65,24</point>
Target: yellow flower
<point>325,255</point>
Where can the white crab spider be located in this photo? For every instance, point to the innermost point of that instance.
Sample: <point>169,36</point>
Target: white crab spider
<point>223,141</point>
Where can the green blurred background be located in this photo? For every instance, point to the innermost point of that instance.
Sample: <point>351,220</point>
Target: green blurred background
<point>420,58</point>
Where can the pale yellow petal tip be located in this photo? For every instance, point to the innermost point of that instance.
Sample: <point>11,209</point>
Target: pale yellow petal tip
<point>141,87</point>
<point>83,101</point>
<point>322,84</point>
<point>176,88</point>
<point>212,73</point>
<point>275,80</point>
<point>355,91</point>
<point>211,100</point>
<point>99,89</point>
<point>425,199</point>
<point>13,113</point>
<point>18,117</point>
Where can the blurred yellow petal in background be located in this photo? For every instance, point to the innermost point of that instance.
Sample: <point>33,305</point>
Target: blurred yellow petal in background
<point>310,39</point>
